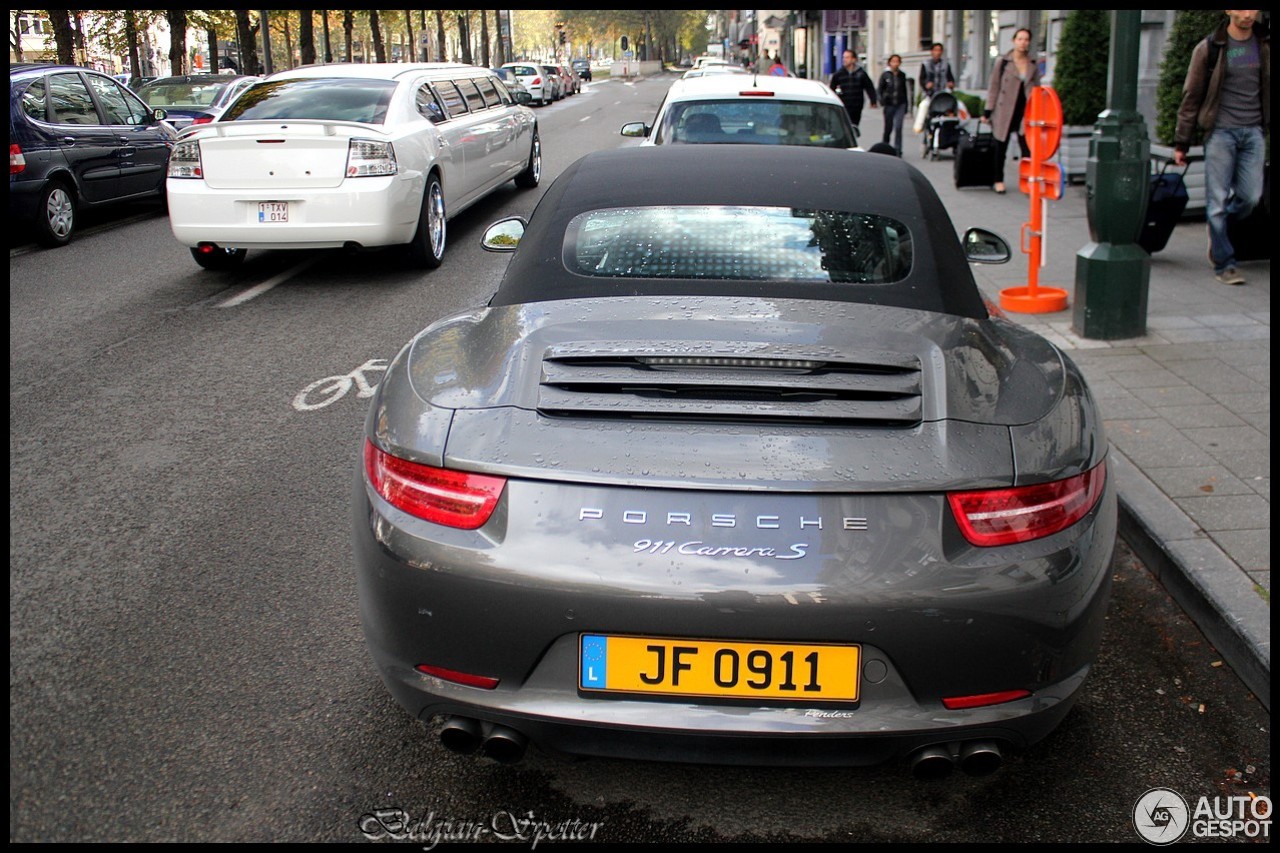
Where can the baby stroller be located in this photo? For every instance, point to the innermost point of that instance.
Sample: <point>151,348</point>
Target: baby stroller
<point>942,125</point>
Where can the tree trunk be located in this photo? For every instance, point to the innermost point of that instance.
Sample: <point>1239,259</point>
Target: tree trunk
<point>212,35</point>
<point>484,38</point>
<point>408,28</point>
<point>177,41</point>
<point>77,38</point>
<point>288,43</point>
<point>306,36</point>
<point>348,27</point>
<point>464,36</point>
<point>328,45</point>
<point>375,30</point>
<point>62,36</point>
<point>440,45</point>
<point>15,33</point>
<point>247,37</point>
<point>131,36</point>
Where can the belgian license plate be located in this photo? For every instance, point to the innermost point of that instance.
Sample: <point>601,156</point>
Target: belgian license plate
<point>273,211</point>
<point>717,668</point>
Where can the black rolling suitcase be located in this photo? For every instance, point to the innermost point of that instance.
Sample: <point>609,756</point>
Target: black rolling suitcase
<point>1252,236</point>
<point>977,158</point>
<point>1166,202</point>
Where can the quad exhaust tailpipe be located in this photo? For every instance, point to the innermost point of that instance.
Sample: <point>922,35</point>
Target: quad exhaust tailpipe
<point>981,757</point>
<point>462,735</point>
<point>932,762</point>
<point>465,735</point>
<point>504,745</point>
<point>975,757</point>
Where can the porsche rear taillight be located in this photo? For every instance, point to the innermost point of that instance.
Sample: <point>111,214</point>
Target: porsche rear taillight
<point>1005,516</point>
<point>451,498</point>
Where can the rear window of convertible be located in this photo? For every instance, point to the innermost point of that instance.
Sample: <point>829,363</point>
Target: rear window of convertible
<point>323,99</point>
<point>741,243</point>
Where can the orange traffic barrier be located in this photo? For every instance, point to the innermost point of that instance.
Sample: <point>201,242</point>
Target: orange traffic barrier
<point>1042,181</point>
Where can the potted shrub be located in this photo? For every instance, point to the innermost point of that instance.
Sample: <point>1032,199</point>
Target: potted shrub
<point>1080,78</point>
<point>1189,28</point>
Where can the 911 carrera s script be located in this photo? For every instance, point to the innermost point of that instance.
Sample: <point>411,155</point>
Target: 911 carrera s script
<point>696,548</point>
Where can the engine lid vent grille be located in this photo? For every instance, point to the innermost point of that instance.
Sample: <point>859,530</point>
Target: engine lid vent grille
<point>881,389</point>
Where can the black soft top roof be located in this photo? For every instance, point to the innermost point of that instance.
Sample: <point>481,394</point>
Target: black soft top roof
<point>746,175</point>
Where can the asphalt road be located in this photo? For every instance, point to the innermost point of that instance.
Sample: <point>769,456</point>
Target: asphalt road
<point>186,661</point>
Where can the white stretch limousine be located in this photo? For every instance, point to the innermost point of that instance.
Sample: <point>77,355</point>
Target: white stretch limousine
<point>349,155</point>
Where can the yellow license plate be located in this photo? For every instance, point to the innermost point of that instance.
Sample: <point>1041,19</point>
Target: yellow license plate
<point>716,668</point>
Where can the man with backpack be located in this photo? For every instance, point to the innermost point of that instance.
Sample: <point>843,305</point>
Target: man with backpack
<point>1227,94</point>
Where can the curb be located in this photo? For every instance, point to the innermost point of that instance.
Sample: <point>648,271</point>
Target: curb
<point>1204,581</point>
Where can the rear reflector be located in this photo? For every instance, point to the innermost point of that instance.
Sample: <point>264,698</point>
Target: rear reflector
<point>456,677</point>
<point>981,700</point>
<point>1006,516</point>
<point>452,498</point>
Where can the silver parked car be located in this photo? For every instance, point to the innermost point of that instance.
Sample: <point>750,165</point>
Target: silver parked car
<point>194,99</point>
<point>739,471</point>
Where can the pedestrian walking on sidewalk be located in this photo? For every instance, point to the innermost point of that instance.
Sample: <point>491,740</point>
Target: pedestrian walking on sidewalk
<point>1227,93</point>
<point>851,82</point>
<point>893,97</point>
<point>1012,79</point>
<point>935,73</point>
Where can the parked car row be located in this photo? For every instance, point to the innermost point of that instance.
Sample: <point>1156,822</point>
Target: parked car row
<point>546,83</point>
<point>371,155</point>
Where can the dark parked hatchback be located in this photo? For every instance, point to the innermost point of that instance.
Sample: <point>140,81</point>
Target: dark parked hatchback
<point>79,139</point>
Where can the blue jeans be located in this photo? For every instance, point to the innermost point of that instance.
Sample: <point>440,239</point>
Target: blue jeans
<point>1233,158</point>
<point>893,116</point>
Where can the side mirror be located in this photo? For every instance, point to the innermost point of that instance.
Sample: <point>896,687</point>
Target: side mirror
<point>503,235</point>
<point>159,115</point>
<point>984,247</point>
<point>636,128</point>
<point>524,99</point>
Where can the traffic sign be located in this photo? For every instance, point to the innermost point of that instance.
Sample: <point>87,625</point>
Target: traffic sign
<point>1044,122</point>
<point>1048,174</point>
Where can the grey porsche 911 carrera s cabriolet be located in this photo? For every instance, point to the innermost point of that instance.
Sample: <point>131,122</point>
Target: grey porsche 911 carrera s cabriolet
<point>736,466</point>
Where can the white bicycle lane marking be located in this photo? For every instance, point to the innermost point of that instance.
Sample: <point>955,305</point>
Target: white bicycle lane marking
<point>329,390</point>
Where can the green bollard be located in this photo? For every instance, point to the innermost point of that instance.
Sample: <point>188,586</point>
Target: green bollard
<point>1113,273</point>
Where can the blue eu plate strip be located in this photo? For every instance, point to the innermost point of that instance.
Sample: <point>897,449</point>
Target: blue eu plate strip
<point>595,651</point>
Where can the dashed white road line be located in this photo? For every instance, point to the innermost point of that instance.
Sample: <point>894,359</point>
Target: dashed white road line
<point>259,289</point>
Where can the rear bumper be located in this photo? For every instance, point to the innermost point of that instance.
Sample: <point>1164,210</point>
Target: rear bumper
<point>365,211</point>
<point>932,620</point>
